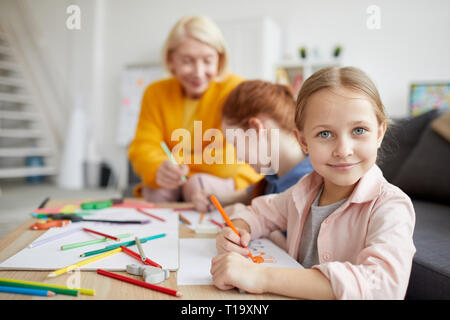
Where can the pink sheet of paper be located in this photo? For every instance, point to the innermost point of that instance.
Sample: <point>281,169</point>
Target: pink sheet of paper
<point>134,205</point>
<point>47,210</point>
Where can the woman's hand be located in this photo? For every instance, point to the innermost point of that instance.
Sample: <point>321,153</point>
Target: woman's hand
<point>168,175</point>
<point>201,202</point>
<point>228,241</point>
<point>231,270</point>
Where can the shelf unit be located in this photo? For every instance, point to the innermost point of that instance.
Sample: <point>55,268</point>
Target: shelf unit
<point>294,72</point>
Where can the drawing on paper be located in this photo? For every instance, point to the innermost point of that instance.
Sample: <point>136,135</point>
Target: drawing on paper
<point>259,255</point>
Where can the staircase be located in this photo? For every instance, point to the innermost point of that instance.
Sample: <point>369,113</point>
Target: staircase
<point>26,146</point>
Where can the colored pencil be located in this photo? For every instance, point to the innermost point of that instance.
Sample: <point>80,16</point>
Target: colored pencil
<point>101,234</point>
<point>58,215</point>
<point>183,209</point>
<point>141,250</point>
<point>133,254</point>
<point>228,221</point>
<point>151,215</point>
<point>44,203</point>
<point>132,242</point>
<point>33,292</point>
<point>171,158</point>
<point>88,292</point>
<point>203,188</point>
<point>83,263</point>
<point>216,223</point>
<point>91,242</point>
<point>54,237</point>
<point>139,283</point>
<point>69,292</point>
<point>184,219</point>
<point>202,216</point>
<point>126,244</point>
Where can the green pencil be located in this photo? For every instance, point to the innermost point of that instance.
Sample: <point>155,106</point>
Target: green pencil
<point>49,215</point>
<point>68,292</point>
<point>126,244</point>
<point>90,242</point>
<point>170,156</point>
<point>89,292</point>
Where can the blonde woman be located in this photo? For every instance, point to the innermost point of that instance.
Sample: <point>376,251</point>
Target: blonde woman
<point>195,55</point>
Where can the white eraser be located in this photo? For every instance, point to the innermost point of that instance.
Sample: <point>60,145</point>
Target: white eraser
<point>207,229</point>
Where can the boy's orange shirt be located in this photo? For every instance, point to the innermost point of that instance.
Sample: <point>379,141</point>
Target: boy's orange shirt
<point>162,113</point>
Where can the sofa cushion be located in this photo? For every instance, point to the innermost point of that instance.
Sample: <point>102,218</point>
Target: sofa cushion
<point>430,274</point>
<point>399,141</point>
<point>442,125</point>
<point>426,172</point>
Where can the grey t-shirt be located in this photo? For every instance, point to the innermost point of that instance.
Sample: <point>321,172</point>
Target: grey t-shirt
<point>308,255</point>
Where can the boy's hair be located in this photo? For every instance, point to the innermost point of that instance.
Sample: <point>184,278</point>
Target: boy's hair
<point>202,29</point>
<point>333,77</point>
<point>256,97</point>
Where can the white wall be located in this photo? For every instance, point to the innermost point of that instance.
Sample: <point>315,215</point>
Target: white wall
<point>412,44</point>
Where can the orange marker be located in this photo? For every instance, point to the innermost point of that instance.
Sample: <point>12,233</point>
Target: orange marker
<point>228,221</point>
<point>49,224</point>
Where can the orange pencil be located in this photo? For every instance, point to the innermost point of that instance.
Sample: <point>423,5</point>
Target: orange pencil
<point>228,221</point>
<point>151,215</point>
<point>184,219</point>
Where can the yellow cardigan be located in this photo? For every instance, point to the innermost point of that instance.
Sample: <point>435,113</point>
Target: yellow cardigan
<point>162,113</point>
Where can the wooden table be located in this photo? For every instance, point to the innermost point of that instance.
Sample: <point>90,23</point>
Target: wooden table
<point>107,288</point>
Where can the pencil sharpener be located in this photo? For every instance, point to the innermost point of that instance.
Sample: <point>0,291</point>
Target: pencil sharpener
<point>150,274</point>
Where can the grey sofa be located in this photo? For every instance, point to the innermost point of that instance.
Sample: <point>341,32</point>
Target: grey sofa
<point>417,159</point>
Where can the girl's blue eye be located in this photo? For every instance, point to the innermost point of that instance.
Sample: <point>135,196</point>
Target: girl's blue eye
<point>359,131</point>
<point>324,134</point>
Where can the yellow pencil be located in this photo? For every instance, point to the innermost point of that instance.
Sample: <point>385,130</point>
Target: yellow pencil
<point>83,262</point>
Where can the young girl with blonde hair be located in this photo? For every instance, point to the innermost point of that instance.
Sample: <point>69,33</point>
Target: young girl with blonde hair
<point>349,227</point>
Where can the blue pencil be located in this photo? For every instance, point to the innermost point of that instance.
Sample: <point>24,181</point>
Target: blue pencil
<point>33,292</point>
<point>132,243</point>
<point>126,244</point>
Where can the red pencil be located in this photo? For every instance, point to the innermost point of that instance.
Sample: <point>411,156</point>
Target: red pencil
<point>139,283</point>
<point>151,215</point>
<point>183,209</point>
<point>137,256</point>
<point>216,223</point>
<point>101,234</point>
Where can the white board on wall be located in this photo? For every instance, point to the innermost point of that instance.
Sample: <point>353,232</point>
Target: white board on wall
<point>134,81</point>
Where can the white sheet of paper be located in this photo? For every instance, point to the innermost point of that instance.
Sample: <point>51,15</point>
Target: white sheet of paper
<point>49,256</point>
<point>196,256</point>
